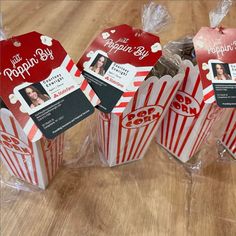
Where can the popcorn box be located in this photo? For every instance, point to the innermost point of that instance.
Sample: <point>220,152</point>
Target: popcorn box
<point>33,162</point>
<point>189,119</point>
<point>39,98</point>
<point>229,137</point>
<point>117,66</point>
<point>126,138</point>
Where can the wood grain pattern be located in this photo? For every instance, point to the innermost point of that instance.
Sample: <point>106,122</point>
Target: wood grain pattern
<point>155,196</point>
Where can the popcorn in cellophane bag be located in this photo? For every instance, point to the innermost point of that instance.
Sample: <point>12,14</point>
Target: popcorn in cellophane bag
<point>189,119</point>
<point>134,95</point>
<point>39,102</point>
<point>194,113</point>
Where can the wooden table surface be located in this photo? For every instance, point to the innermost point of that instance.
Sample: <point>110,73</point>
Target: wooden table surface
<point>155,196</point>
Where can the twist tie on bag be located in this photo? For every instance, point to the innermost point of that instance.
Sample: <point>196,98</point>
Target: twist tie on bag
<point>155,17</point>
<point>216,15</point>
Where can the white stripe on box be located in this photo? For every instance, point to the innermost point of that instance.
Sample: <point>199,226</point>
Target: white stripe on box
<point>208,89</point>
<point>210,100</point>
<point>65,61</point>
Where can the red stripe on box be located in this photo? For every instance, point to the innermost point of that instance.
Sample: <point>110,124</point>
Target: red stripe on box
<point>84,85</point>
<point>174,128</point>
<point>162,132</point>
<point>141,73</point>
<point>129,130</point>
<point>197,140</point>
<point>122,104</point>
<point>6,151</point>
<point>77,73</point>
<point>232,144</point>
<point>9,157</point>
<point>137,83</point>
<point>157,101</point>
<point>18,163</point>
<point>229,137</point>
<point>69,65</point>
<point>10,166</point>
<point>119,140</point>
<point>228,125</point>
<point>195,89</point>
<point>131,148</point>
<point>52,160</point>
<point>104,138</point>
<point>234,150</point>
<point>189,132</point>
<point>91,94</point>
<point>201,134</point>
<point>45,159</point>
<point>180,133</point>
<point>101,134</point>
<point>185,80</point>
<point>56,153</point>
<point>16,158</point>
<point>108,137</point>
<point>167,128</point>
<point>160,94</point>
<point>148,94</point>
<point>145,129</point>
<point>209,95</point>
<point>62,148</point>
<point>128,94</point>
<point>32,132</point>
<point>126,144</point>
<point>196,86</point>
<point>33,162</point>
<point>170,95</point>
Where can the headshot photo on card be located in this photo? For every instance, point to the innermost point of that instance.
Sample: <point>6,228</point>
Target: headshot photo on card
<point>34,95</point>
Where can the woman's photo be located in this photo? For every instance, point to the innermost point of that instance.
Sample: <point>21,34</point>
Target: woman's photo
<point>100,65</point>
<point>221,73</point>
<point>35,97</point>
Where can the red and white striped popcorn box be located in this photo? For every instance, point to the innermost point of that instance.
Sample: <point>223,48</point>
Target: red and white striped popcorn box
<point>189,120</point>
<point>40,62</point>
<point>229,136</point>
<point>125,137</point>
<point>33,162</point>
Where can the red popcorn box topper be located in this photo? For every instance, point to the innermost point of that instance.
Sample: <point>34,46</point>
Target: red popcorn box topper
<point>216,56</point>
<point>117,62</point>
<point>132,103</point>
<point>189,120</point>
<point>41,82</point>
<point>228,138</point>
<point>41,88</point>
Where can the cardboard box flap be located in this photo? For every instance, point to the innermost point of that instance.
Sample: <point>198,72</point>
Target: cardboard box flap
<point>42,86</point>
